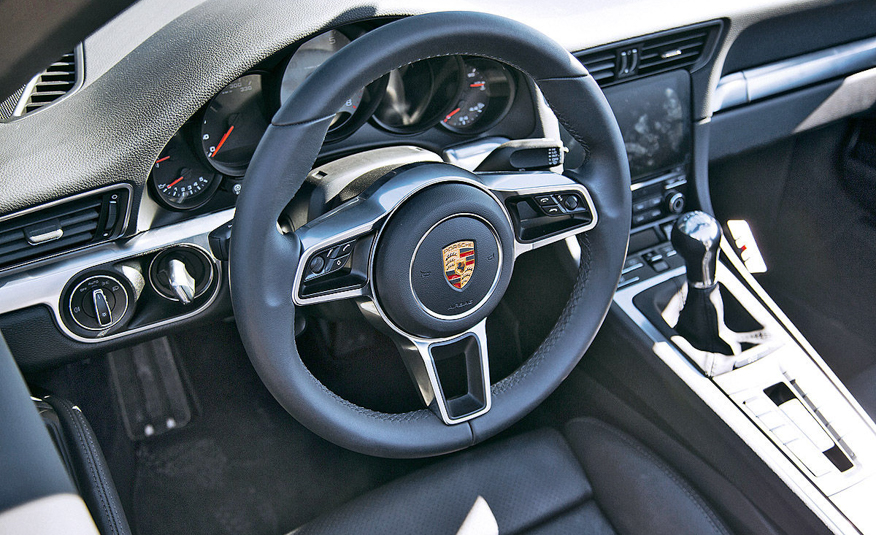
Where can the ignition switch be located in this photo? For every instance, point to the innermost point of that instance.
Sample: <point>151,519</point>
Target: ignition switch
<point>181,273</point>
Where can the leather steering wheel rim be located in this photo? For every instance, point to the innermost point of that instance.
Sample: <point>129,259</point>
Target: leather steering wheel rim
<point>262,259</point>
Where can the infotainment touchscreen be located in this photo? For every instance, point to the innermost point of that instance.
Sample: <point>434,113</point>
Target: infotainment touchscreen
<point>654,117</point>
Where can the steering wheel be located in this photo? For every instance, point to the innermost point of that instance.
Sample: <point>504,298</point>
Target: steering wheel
<point>428,250</point>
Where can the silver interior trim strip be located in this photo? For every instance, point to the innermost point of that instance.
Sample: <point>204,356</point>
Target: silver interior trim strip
<point>772,79</point>
<point>44,284</point>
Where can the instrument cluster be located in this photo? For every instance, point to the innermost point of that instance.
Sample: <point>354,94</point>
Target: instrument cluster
<point>459,94</point>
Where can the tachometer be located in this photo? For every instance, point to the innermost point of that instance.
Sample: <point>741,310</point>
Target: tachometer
<point>233,125</point>
<point>419,95</point>
<point>487,93</point>
<point>179,180</point>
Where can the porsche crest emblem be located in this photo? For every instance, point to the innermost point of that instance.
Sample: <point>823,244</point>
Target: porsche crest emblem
<point>459,263</point>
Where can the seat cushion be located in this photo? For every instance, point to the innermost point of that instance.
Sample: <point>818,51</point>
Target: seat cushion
<point>636,490</point>
<point>534,483</point>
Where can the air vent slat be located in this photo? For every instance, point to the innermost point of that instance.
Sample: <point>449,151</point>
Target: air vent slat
<point>82,222</point>
<point>660,63</point>
<point>605,65</point>
<point>46,250</point>
<point>602,76</point>
<point>600,65</point>
<point>75,219</point>
<point>15,235</point>
<point>51,84</point>
<point>675,41</point>
<point>658,52</point>
<point>76,235</point>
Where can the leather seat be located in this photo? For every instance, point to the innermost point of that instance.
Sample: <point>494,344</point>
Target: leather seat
<point>591,479</point>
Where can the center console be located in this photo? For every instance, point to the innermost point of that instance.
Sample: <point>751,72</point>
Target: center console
<point>724,337</point>
<point>655,120</point>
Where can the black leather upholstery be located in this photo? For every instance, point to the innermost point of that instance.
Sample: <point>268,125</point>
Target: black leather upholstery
<point>30,467</point>
<point>594,480</point>
<point>635,489</point>
<point>89,468</point>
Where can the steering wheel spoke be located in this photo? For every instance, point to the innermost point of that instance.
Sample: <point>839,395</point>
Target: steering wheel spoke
<point>452,375</point>
<point>544,207</point>
<point>335,253</point>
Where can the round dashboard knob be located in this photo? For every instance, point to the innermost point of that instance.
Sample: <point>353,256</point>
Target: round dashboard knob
<point>98,302</point>
<point>674,202</point>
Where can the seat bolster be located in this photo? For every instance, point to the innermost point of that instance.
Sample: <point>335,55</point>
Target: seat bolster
<point>637,491</point>
<point>526,480</point>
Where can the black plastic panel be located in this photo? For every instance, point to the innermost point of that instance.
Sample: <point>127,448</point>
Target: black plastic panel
<point>761,123</point>
<point>802,32</point>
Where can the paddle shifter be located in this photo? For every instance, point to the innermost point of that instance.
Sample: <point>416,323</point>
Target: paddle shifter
<point>696,237</point>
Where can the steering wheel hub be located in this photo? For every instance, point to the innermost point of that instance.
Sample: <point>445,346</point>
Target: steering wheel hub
<point>444,259</point>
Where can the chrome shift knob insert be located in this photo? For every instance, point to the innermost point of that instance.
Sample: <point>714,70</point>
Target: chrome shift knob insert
<point>696,237</point>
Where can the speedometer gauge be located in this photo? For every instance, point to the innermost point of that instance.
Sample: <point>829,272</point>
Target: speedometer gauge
<point>233,125</point>
<point>487,93</point>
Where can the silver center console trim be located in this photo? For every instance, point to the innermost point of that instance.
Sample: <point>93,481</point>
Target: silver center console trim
<point>772,79</point>
<point>728,411</point>
<point>44,284</point>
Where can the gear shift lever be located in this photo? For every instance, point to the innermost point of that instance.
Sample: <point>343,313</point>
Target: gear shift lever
<point>696,237</point>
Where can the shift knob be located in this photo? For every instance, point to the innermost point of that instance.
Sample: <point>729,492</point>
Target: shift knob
<point>696,236</point>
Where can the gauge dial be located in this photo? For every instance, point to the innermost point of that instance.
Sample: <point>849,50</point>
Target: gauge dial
<point>179,180</point>
<point>233,125</point>
<point>487,93</point>
<point>419,95</point>
<point>306,59</point>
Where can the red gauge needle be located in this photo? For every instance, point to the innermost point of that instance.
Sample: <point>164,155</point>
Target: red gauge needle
<point>451,114</point>
<point>162,159</point>
<point>174,183</point>
<point>221,142</point>
<point>479,84</point>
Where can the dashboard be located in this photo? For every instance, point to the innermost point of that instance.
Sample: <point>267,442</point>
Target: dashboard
<point>168,121</point>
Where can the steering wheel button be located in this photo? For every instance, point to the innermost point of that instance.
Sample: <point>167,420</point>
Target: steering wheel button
<point>317,263</point>
<point>553,210</point>
<point>342,250</point>
<point>337,263</point>
<point>571,202</point>
<point>544,200</point>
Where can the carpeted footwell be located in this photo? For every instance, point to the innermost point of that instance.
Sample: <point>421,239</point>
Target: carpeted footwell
<point>243,465</point>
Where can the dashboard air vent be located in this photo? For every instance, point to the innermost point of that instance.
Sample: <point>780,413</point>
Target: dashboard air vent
<point>59,79</point>
<point>63,226</point>
<point>687,48</point>
<point>53,83</point>
<point>602,66</point>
